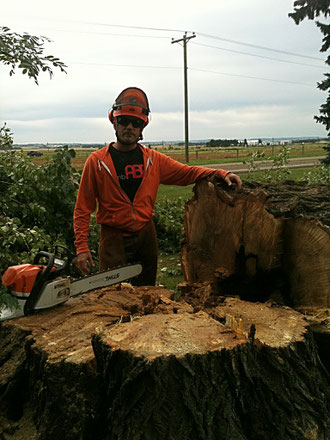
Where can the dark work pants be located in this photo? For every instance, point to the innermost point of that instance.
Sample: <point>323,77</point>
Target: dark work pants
<point>117,249</point>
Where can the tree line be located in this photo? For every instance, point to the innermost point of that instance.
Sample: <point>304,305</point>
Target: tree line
<point>224,143</point>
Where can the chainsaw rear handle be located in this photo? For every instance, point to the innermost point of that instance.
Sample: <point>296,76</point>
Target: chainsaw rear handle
<point>50,258</point>
<point>45,275</point>
<point>52,261</point>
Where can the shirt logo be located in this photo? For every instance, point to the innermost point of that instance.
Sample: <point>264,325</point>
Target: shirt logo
<point>134,171</point>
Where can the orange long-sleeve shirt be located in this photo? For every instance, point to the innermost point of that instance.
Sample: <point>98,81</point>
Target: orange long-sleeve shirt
<point>100,188</point>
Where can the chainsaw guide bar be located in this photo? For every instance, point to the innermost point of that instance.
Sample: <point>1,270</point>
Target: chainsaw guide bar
<point>38,287</point>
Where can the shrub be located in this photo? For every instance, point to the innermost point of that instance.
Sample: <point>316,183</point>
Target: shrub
<point>40,198</point>
<point>169,224</point>
<point>36,207</point>
<point>319,175</point>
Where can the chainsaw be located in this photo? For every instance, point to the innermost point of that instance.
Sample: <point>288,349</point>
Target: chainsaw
<point>41,286</point>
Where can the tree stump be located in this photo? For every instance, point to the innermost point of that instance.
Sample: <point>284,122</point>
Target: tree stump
<point>189,376</point>
<point>130,363</point>
<point>264,241</point>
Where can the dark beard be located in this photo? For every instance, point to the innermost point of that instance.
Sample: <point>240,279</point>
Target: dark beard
<point>123,142</point>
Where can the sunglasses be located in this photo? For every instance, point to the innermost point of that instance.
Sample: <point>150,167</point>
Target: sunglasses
<point>126,120</point>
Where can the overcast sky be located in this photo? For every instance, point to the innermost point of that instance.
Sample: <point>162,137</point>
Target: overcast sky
<point>252,70</point>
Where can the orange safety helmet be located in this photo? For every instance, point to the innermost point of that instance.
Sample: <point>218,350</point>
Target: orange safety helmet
<point>131,102</point>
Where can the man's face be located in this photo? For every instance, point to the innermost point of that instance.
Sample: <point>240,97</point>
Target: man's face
<point>128,129</point>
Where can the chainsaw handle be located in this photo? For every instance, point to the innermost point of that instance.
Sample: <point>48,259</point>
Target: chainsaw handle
<point>42,277</point>
<point>54,267</point>
<point>50,258</point>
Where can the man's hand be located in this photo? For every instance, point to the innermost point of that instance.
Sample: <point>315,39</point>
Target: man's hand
<point>84,262</point>
<point>233,178</point>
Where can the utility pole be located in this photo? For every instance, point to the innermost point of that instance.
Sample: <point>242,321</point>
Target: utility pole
<point>185,40</point>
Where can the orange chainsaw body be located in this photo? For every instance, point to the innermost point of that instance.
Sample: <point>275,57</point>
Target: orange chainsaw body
<point>21,278</point>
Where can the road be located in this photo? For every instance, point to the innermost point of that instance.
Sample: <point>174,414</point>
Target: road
<point>241,168</point>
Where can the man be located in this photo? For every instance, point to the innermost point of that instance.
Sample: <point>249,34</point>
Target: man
<point>122,180</point>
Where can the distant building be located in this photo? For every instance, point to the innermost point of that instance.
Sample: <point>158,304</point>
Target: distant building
<point>253,142</point>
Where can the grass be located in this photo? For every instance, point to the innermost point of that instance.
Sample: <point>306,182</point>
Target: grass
<point>295,174</point>
<point>173,192</point>
<point>169,272</point>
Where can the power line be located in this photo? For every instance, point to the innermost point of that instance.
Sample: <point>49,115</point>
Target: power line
<point>129,27</point>
<point>183,31</point>
<point>194,69</point>
<point>259,56</point>
<point>253,77</point>
<point>258,47</point>
<point>125,65</point>
<point>107,33</point>
<point>197,44</point>
<point>204,35</point>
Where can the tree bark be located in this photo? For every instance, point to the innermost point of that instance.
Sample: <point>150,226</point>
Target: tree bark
<point>189,376</point>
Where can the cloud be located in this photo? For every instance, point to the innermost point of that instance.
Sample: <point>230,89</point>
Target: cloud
<point>236,123</point>
<point>227,95</point>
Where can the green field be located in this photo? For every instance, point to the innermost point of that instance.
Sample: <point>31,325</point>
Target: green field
<point>174,192</point>
<point>201,155</point>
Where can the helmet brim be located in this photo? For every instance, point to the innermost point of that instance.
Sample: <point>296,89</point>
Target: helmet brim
<point>129,110</point>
